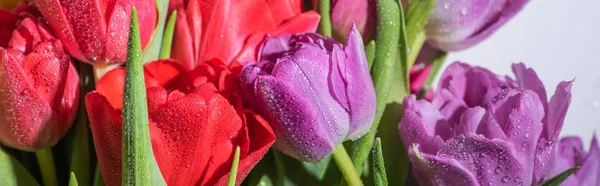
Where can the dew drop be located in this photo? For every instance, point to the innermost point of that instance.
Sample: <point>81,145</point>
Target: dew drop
<point>505,179</point>
<point>446,5</point>
<point>526,134</point>
<point>464,11</point>
<point>498,170</point>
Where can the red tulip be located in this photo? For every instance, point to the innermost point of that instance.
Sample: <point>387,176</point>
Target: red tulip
<point>96,31</point>
<point>196,121</point>
<point>39,85</point>
<point>232,30</point>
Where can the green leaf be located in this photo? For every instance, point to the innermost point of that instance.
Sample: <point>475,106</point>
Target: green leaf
<point>234,167</point>
<point>387,37</point>
<point>73,180</point>
<point>417,14</point>
<point>165,51</point>
<point>416,17</point>
<point>153,47</point>
<point>370,51</point>
<point>137,157</point>
<point>80,154</point>
<point>380,177</point>
<point>396,160</point>
<point>12,172</point>
<point>558,179</point>
<point>325,12</point>
<point>394,155</point>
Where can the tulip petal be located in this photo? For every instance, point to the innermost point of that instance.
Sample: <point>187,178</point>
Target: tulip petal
<point>261,138</point>
<point>303,70</point>
<point>227,131</point>
<point>437,170</point>
<point>179,142</point>
<point>7,25</point>
<point>282,10</point>
<point>59,22</point>
<point>294,121</point>
<point>106,125</point>
<point>359,87</point>
<point>557,110</point>
<point>469,121</point>
<point>346,14</point>
<point>218,27</point>
<point>183,48</point>
<point>494,162</point>
<point>589,174</point>
<point>421,124</point>
<point>88,26</point>
<point>526,78</point>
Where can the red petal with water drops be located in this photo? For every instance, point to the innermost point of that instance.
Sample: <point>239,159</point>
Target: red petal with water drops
<point>106,124</point>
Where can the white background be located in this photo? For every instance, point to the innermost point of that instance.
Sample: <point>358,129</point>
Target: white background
<point>560,39</point>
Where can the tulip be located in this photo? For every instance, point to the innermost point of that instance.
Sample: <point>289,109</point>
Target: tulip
<point>456,25</point>
<point>196,121</point>
<point>316,93</point>
<point>344,13</point>
<point>232,30</point>
<point>39,85</point>
<point>96,31</point>
<point>484,129</point>
<point>571,154</point>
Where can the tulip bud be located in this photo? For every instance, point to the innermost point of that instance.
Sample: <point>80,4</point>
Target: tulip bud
<point>39,87</point>
<point>316,93</point>
<point>344,13</point>
<point>97,31</point>
<point>482,128</point>
<point>456,25</point>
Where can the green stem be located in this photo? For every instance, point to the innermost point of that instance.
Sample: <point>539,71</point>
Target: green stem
<point>46,162</point>
<point>346,166</point>
<point>325,12</point>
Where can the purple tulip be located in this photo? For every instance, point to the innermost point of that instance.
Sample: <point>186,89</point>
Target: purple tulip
<point>484,129</point>
<point>345,13</point>
<point>316,93</point>
<point>571,154</point>
<point>456,25</point>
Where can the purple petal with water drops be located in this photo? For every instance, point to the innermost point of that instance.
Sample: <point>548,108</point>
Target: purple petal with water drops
<point>520,114</point>
<point>438,170</point>
<point>422,124</point>
<point>359,89</point>
<point>494,162</point>
<point>456,25</point>
<point>293,120</point>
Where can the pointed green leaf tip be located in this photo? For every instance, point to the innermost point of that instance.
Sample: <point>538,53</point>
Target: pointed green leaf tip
<point>73,180</point>
<point>379,175</point>
<point>234,167</point>
<point>558,179</point>
<point>136,150</point>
